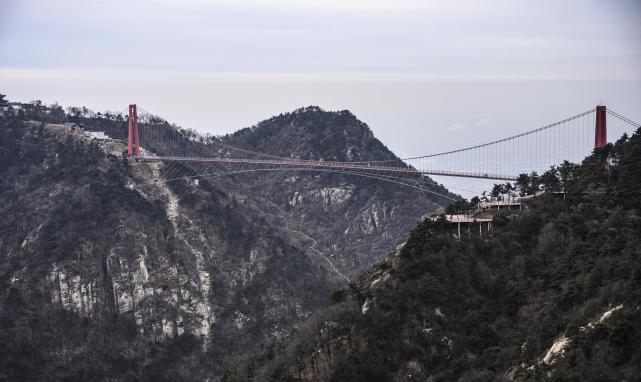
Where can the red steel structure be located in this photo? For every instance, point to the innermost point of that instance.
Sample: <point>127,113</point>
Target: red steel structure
<point>134,146</point>
<point>600,128</point>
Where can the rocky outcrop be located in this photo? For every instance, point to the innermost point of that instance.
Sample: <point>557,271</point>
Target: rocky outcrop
<point>326,196</point>
<point>72,292</point>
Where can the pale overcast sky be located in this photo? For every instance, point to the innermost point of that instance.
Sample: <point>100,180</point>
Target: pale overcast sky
<point>425,75</point>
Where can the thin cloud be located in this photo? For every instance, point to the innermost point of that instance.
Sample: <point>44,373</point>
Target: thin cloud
<point>455,127</point>
<point>483,121</point>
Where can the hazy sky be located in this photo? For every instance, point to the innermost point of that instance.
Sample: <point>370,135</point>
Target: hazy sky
<point>425,75</point>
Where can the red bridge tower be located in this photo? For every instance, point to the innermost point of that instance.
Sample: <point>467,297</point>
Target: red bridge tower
<point>134,146</point>
<point>600,129</point>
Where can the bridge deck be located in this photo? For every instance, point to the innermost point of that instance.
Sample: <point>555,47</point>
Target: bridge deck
<point>302,164</point>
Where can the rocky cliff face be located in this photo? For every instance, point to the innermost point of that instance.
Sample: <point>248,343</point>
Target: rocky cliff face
<point>100,237</point>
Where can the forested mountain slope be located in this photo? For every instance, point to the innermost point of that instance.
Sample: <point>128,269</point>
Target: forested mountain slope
<point>553,293</point>
<point>110,271</point>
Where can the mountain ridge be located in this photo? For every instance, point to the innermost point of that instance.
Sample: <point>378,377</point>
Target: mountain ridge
<point>339,135</point>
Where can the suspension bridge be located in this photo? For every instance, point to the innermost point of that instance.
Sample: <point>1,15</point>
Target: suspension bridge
<point>151,139</point>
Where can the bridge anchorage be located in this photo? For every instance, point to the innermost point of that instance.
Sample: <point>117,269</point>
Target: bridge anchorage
<point>152,139</point>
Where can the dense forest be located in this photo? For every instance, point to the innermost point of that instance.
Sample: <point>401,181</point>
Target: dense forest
<point>551,293</point>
